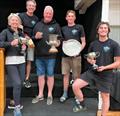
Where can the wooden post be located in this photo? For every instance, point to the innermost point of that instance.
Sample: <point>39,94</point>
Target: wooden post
<point>2,83</point>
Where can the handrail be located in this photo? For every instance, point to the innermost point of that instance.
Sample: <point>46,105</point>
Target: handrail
<point>2,83</point>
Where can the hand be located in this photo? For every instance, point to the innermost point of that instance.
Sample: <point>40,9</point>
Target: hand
<point>38,35</point>
<point>15,42</point>
<point>23,40</point>
<point>58,43</point>
<point>101,68</point>
<point>27,37</point>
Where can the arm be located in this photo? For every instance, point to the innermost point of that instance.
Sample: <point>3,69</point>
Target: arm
<point>3,40</point>
<point>36,33</point>
<point>83,39</point>
<point>114,65</point>
<point>83,42</point>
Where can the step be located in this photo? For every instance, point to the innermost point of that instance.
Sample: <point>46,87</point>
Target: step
<point>58,88</point>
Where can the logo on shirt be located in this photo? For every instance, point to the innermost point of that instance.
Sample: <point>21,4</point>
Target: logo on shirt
<point>33,22</point>
<point>106,48</point>
<point>74,31</point>
<point>50,29</point>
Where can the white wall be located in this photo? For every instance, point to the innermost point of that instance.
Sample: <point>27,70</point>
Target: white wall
<point>114,19</point>
<point>114,12</point>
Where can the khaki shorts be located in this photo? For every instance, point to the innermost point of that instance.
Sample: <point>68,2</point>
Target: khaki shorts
<point>71,63</point>
<point>30,54</point>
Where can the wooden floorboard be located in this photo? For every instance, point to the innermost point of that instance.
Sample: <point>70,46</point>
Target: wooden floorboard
<point>110,113</point>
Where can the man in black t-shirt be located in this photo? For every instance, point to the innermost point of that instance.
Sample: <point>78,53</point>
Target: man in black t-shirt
<point>71,31</point>
<point>102,77</point>
<point>29,20</point>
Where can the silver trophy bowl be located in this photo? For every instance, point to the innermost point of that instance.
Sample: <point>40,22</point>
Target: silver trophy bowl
<point>53,42</point>
<point>93,56</point>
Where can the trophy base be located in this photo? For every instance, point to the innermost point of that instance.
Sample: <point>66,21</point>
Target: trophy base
<point>95,66</point>
<point>53,51</point>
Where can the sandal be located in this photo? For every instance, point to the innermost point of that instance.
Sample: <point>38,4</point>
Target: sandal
<point>63,99</point>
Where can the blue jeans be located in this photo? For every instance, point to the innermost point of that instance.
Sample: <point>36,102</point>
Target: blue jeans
<point>45,66</point>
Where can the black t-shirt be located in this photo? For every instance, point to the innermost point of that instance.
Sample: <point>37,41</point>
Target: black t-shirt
<point>108,50</point>
<point>28,23</point>
<point>72,32</point>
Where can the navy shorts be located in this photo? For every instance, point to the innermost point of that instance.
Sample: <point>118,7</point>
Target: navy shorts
<point>100,83</point>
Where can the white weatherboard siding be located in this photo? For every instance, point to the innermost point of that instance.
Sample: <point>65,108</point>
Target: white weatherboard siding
<point>114,19</point>
<point>105,10</point>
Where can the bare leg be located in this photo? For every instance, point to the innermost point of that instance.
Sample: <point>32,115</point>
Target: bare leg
<point>41,84</point>
<point>105,103</point>
<point>66,82</point>
<point>50,84</point>
<point>77,85</point>
<point>65,88</point>
<point>28,69</point>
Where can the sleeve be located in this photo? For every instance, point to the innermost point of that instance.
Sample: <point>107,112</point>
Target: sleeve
<point>21,17</point>
<point>35,30</point>
<point>90,48</point>
<point>116,49</point>
<point>59,32</point>
<point>82,31</point>
<point>3,40</point>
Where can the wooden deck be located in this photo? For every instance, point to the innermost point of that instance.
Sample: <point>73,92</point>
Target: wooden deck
<point>110,113</point>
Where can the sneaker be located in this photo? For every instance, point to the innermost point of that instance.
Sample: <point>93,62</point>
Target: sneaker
<point>27,83</point>
<point>37,99</point>
<point>77,101</point>
<point>11,105</point>
<point>49,100</point>
<point>78,107</point>
<point>63,99</point>
<point>17,111</point>
<point>19,106</point>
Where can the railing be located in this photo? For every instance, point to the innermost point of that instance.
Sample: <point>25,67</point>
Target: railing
<point>2,83</point>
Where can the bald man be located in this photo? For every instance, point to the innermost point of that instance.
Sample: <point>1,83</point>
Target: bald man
<point>45,61</point>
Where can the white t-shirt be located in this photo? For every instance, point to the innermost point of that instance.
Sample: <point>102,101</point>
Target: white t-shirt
<point>15,60</point>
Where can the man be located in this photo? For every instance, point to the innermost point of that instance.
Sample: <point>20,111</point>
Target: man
<point>45,61</point>
<point>71,31</point>
<point>108,60</point>
<point>29,20</point>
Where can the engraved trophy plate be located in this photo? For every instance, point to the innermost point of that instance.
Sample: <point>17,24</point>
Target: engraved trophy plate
<point>71,47</point>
